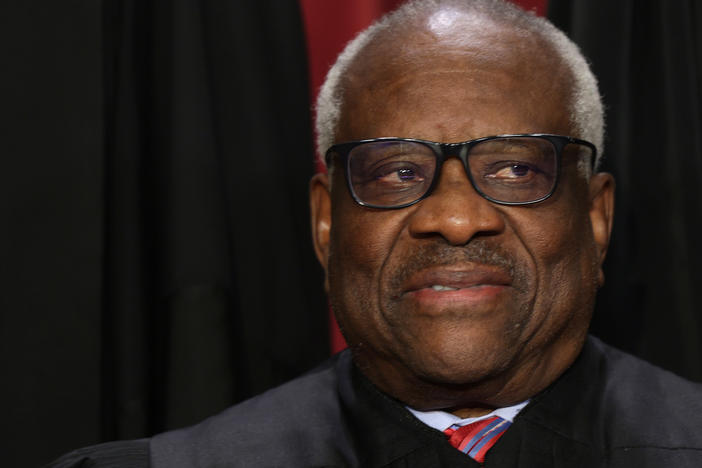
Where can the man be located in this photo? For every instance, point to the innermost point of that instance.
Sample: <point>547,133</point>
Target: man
<point>462,228</point>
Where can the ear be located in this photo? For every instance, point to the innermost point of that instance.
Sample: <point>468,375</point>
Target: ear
<point>601,215</point>
<point>320,217</point>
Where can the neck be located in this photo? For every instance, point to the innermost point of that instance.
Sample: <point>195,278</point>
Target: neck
<point>465,413</point>
<point>470,399</point>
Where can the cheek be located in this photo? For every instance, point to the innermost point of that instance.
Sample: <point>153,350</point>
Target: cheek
<point>561,248</point>
<point>360,237</point>
<point>362,241</point>
<point>558,233</point>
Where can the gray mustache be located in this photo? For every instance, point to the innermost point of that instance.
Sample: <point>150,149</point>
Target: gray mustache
<point>438,253</point>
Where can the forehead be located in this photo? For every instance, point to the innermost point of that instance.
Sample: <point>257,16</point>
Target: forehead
<point>455,80</point>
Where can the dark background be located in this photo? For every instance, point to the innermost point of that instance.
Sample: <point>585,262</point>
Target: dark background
<point>155,257</point>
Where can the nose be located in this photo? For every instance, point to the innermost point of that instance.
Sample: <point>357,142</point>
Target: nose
<point>454,210</point>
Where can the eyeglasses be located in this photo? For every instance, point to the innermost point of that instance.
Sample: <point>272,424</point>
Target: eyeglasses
<point>506,169</point>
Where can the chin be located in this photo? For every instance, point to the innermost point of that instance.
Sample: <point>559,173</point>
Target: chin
<point>466,374</point>
<point>461,366</point>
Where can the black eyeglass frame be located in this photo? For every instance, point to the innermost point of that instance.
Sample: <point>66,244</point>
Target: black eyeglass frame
<point>444,151</point>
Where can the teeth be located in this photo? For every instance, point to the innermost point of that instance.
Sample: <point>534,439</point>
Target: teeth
<point>439,287</point>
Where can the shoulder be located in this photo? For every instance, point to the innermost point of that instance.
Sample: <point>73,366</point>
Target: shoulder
<point>294,421</point>
<point>645,404</point>
<point>296,424</point>
<point>630,383</point>
<point>619,408</point>
<point>121,454</point>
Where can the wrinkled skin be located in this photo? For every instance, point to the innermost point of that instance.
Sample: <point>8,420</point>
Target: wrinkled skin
<point>526,275</point>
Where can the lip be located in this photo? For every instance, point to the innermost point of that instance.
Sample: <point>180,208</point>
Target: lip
<point>457,277</point>
<point>473,284</point>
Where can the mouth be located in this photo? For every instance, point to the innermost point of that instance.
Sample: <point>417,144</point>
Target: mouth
<point>457,277</point>
<point>470,284</point>
<point>441,287</point>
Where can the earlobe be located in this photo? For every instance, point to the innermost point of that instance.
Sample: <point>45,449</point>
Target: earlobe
<point>320,217</point>
<point>601,214</point>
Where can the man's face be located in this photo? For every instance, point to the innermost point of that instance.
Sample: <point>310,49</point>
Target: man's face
<point>456,300</point>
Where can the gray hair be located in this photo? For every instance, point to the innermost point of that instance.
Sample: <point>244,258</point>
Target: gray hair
<point>586,112</point>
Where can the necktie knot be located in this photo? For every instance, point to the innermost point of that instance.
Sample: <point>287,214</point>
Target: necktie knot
<point>477,438</point>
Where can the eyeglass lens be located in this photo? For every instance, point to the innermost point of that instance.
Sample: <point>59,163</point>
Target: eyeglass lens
<point>509,169</point>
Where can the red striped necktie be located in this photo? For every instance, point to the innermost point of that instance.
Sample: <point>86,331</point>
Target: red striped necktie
<point>477,438</point>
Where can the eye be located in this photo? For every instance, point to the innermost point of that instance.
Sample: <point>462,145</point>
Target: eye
<point>512,171</point>
<point>405,174</point>
<point>399,173</point>
<point>390,173</point>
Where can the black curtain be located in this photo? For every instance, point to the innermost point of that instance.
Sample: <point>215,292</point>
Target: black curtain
<point>156,264</point>
<point>156,257</point>
<point>647,55</point>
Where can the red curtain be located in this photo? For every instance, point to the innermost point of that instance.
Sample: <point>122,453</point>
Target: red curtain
<point>328,27</point>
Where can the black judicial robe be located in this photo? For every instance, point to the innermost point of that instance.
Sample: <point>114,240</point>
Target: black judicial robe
<point>609,409</point>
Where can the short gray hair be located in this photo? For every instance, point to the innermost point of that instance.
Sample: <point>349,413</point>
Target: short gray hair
<point>586,113</point>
